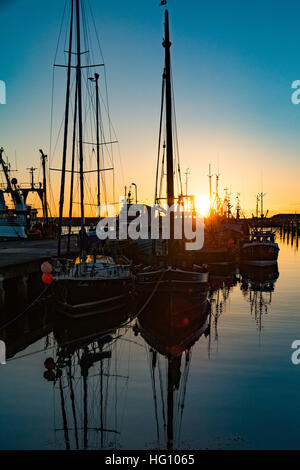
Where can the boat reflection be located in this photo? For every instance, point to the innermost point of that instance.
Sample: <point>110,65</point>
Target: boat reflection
<point>87,361</point>
<point>171,323</point>
<point>84,371</point>
<point>258,284</point>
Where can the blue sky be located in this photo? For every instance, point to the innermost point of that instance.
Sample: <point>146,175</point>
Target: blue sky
<point>233,65</point>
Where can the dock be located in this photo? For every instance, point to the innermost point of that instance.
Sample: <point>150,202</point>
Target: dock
<point>25,256</point>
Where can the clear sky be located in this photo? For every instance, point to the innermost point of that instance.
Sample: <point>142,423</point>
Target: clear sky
<point>233,66</point>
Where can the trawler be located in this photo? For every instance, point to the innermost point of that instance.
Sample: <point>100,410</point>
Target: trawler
<point>260,248</point>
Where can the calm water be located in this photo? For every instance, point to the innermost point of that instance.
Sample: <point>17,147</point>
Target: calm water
<point>235,388</point>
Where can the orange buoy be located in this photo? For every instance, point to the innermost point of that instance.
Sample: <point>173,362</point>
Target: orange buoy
<point>49,363</point>
<point>46,267</point>
<point>47,278</point>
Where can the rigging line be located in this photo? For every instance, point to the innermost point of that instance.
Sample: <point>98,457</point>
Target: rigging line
<point>184,394</point>
<point>53,76</point>
<point>162,172</point>
<point>107,108</point>
<point>116,396</point>
<point>176,134</point>
<point>60,31</point>
<point>64,415</point>
<point>51,115</point>
<point>66,343</point>
<point>49,172</point>
<point>72,396</point>
<point>152,373</point>
<point>162,394</point>
<point>100,49</point>
<point>159,136</point>
<point>2,327</point>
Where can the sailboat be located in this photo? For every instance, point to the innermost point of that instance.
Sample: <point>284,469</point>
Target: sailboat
<point>13,222</point>
<point>94,282</point>
<point>176,269</point>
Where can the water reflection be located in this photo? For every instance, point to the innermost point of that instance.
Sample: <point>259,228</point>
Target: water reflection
<point>171,324</point>
<point>87,363</point>
<point>85,376</point>
<point>257,285</point>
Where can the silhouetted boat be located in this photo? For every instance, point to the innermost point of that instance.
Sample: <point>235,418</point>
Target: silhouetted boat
<point>97,285</point>
<point>173,270</point>
<point>91,283</point>
<point>260,248</point>
<point>171,323</point>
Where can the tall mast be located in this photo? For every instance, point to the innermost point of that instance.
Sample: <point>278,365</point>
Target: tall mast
<point>79,99</point>
<point>170,401</point>
<point>98,140</point>
<point>96,79</point>
<point>45,203</point>
<point>72,174</point>
<point>169,136</point>
<point>64,158</point>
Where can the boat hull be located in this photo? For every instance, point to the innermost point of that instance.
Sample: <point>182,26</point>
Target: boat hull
<point>260,254</point>
<point>12,232</point>
<point>171,280</point>
<point>87,297</point>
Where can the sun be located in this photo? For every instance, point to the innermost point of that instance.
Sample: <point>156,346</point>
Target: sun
<point>202,204</point>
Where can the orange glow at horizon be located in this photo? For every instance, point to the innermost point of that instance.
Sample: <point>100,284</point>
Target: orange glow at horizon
<point>202,204</point>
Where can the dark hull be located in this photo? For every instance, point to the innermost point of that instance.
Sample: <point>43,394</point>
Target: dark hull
<point>84,298</point>
<point>217,256</point>
<point>171,282</point>
<point>171,323</point>
<point>259,277</point>
<point>259,254</point>
<point>72,333</point>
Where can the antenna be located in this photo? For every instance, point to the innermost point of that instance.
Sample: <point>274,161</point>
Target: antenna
<point>187,173</point>
<point>262,204</point>
<point>31,172</point>
<point>209,179</point>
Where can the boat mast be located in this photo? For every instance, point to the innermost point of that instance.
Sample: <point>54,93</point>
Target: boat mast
<point>45,202</point>
<point>72,174</point>
<point>169,134</point>
<point>96,79</point>
<point>262,204</point>
<point>64,158</point>
<point>79,99</point>
<point>98,140</point>
<point>170,402</point>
